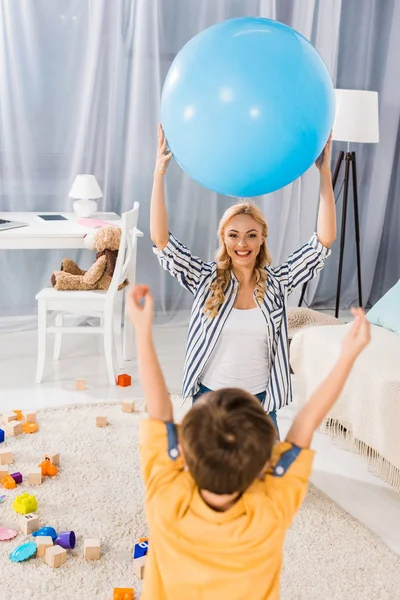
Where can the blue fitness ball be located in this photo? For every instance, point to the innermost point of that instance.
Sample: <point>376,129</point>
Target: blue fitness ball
<point>247,106</point>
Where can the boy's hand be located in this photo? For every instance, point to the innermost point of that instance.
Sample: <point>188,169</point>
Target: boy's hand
<point>139,302</point>
<point>359,335</point>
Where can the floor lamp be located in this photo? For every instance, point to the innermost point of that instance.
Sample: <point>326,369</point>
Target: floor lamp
<point>356,121</point>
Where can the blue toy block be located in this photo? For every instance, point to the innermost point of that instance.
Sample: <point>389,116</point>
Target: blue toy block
<point>140,549</point>
<point>1,436</point>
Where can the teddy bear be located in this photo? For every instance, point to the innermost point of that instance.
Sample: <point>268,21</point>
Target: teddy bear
<point>106,241</point>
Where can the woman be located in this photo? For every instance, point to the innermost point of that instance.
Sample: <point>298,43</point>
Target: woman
<point>238,333</point>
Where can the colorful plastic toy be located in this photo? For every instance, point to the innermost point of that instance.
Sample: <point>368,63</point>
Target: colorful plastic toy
<point>17,477</point>
<point>2,498</point>
<point>124,380</point>
<point>25,503</point>
<point>18,413</point>
<point>8,482</point>
<point>23,552</point>
<point>29,427</point>
<point>123,594</point>
<point>7,534</point>
<point>66,539</point>
<point>1,435</point>
<point>48,469</point>
<point>141,549</point>
<point>46,531</point>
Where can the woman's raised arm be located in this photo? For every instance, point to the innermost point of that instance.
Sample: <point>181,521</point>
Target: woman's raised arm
<point>158,211</point>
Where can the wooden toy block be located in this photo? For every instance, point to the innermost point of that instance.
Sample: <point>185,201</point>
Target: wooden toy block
<point>6,457</point>
<point>128,406</point>
<point>43,542</point>
<point>28,523</point>
<point>101,422</point>
<point>124,380</point>
<point>14,428</point>
<point>91,549</point>
<point>80,385</point>
<point>29,417</point>
<point>55,556</point>
<point>138,567</point>
<point>53,458</point>
<point>35,476</point>
<point>123,594</point>
<point>3,471</point>
<point>8,417</point>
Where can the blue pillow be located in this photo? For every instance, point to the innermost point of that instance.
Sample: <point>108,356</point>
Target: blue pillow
<point>386,312</point>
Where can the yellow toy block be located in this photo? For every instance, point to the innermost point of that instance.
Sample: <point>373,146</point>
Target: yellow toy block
<point>25,503</point>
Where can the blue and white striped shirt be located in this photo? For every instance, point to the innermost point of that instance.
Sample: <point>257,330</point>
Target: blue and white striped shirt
<point>196,276</point>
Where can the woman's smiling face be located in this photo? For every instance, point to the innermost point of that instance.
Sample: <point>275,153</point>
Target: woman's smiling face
<point>243,240</point>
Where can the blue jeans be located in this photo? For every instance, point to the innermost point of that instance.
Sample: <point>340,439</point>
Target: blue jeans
<point>261,396</point>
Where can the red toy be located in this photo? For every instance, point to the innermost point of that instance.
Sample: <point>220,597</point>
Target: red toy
<point>124,380</point>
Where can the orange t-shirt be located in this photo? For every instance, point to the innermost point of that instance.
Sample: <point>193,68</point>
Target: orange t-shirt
<point>197,553</point>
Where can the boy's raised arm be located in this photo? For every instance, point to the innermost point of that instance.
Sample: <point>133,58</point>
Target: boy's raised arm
<point>313,413</point>
<point>140,311</point>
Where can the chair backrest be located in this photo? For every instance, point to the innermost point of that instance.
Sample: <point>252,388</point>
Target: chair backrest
<point>129,222</point>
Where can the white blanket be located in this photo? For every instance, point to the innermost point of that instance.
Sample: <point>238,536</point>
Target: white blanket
<point>369,406</point>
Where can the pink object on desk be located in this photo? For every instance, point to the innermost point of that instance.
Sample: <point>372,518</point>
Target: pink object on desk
<point>93,223</point>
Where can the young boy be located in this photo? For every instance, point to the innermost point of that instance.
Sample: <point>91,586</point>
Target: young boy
<point>220,493</point>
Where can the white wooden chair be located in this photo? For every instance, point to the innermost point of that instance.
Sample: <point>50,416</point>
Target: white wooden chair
<point>97,303</point>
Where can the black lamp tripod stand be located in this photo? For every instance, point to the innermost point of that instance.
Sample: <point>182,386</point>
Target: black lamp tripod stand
<point>349,159</point>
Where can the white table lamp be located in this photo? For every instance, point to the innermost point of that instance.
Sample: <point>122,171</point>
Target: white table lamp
<point>356,118</point>
<point>85,189</point>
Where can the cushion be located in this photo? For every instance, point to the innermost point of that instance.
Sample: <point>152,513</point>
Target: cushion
<point>386,312</point>
<point>300,317</point>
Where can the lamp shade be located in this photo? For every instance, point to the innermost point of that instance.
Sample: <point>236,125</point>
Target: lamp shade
<point>357,117</point>
<point>85,187</point>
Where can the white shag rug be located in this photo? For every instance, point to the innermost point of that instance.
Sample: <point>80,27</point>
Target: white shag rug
<point>99,493</point>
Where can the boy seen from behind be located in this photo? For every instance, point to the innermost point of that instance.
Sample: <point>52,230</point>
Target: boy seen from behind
<point>220,492</point>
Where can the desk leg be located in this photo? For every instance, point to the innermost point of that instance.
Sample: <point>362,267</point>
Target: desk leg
<point>128,327</point>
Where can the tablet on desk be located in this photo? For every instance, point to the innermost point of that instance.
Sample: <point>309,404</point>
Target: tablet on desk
<point>53,218</point>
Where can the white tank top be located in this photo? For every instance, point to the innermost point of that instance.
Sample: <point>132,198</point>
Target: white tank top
<point>241,357</point>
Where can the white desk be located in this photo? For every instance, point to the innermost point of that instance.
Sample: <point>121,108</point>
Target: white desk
<point>47,235</point>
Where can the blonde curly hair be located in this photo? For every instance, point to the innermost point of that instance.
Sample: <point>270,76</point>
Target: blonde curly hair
<point>224,262</point>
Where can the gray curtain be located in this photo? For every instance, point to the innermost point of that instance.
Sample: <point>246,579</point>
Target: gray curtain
<point>80,86</point>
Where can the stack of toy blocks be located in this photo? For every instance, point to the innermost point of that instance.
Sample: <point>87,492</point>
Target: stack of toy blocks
<point>139,557</point>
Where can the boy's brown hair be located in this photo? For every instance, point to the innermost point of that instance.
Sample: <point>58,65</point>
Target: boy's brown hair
<point>226,440</point>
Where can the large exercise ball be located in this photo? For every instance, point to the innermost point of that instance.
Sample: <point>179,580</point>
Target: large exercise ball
<point>247,106</point>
